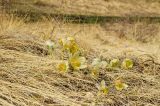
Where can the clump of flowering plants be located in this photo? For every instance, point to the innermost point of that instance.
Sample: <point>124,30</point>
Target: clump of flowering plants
<point>77,62</point>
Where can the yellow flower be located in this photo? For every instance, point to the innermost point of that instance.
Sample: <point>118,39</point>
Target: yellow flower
<point>71,39</point>
<point>94,72</point>
<point>114,63</point>
<point>96,65</point>
<point>99,64</point>
<point>73,48</point>
<point>119,85</point>
<point>62,42</point>
<point>103,89</point>
<point>78,62</point>
<point>96,62</point>
<point>63,67</point>
<point>127,64</point>
<point>69,44</point>
<point>66,41</point>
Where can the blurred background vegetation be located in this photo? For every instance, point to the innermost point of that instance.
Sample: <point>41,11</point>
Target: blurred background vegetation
<point>85,11</point>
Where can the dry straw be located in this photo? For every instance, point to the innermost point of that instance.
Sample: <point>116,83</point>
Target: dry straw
<point>28,76</point>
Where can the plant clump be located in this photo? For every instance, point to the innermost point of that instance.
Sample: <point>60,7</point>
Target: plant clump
<point>78,62</point>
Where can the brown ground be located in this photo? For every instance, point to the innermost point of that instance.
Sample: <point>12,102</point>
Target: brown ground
<point>28,76</point>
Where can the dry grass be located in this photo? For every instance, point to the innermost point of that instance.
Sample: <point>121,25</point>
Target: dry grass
<point>28,76</point>
<point>143,8</point>
<point>104,7</point>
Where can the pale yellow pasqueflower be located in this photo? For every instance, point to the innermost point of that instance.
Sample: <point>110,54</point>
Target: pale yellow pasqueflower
<point>96,62</point>
<point>119,85</point>
<point>103,89</point>
<point>114,63</point>
<point>66,41</point>
<point>94,72</point>
<point>127,64</point>
<point>96,65</point>
<point>73,48</point>
<point>63,67</point>
<point>99,64</point>
<point>69,44</point>
<point>78,62</point>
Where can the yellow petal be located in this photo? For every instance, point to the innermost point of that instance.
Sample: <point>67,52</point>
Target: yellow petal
<point>105,91</point>
<point>75,63</point>
<point>96,62</point>
<point>71,39</point>
<point>114,63</point>
<point>73,48</point>
<point>125,85</point>
<point>127,64</point>
<point>94,72</point>
<point>62,42</point>
<point>120,86</point>
<point>103,84</point>
<point>98,86</point>
<point>102,88</point>
<point>63,67</point>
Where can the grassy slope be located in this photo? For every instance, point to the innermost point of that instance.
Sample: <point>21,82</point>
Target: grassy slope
<point>28,76</point>
<point>94,7</point>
